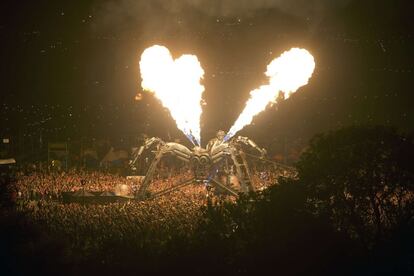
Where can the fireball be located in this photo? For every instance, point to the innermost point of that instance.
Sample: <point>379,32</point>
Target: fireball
<point>286,74</point>
<point>176,83</point>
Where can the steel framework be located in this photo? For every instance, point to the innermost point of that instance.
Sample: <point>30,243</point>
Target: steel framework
<point>219,160</point>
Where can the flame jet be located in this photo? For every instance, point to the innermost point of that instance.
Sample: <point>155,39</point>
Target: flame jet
<point>286,74</point>
<point>176,83</point>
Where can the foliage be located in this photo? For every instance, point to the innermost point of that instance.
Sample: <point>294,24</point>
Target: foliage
<point>272,230</point>
<point>362,178</point>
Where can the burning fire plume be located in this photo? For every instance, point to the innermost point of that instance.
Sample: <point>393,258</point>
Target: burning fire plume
<point>286,74</point>
<point>176,83</point>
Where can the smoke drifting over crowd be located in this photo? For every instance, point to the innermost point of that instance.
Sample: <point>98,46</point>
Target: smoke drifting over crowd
<point>225,8</point>
<point>154,14</point>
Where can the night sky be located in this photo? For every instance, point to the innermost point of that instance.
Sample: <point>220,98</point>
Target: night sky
<point>71,69</point>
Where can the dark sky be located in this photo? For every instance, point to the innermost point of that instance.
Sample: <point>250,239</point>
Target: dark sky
<point>84,54</point>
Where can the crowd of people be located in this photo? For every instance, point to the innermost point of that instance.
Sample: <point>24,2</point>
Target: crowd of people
<point>90,226</point>
<point>48,184</point>
<point>43,184</point>
<point>39,194</point>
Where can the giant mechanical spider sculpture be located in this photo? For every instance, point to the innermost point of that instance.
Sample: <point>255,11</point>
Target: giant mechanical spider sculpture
<point>215,166</point>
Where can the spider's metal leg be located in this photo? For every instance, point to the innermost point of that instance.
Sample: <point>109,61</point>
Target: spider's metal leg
<point>149,175</point>
<point>248,177</point>
<point>242,170</point>
<point>174,188</point>
<point>228,189</point>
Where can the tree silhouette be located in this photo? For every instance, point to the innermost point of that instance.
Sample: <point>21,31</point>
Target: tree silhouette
<point>272,231</point>
<point>362,178</point>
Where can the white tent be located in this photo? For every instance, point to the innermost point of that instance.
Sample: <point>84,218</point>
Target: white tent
<point>7,161</point>
<point>114,155</point>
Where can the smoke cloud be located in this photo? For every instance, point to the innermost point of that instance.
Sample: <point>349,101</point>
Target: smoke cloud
<point>241,8</point>
<point>122,13</point>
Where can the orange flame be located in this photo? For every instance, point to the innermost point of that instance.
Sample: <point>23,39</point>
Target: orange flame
<point>286,73</point>
<point>176,83</point>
